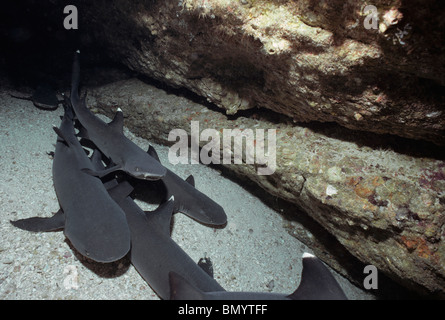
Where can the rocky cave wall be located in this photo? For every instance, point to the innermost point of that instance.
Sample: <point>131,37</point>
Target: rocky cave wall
<point>309,60</point>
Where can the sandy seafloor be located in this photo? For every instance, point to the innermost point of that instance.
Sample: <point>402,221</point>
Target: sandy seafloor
<point>252,253</point>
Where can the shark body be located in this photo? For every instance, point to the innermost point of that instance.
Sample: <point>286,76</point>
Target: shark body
<point>91,219</point>
<point>110,139</point>
<point>188,199</point>
<point>317,283</point>
<point>44,97</point>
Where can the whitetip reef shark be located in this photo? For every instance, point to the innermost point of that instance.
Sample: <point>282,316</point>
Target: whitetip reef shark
<point>153,252</point>
<point>110,139</point>
<point>92,221</point>
<point>44,97</point>
<point>102,221</point>
<point>317,283</point>
<point>188,199</point>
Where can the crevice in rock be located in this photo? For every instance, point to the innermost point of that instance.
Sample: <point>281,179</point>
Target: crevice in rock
<point>375,141</point>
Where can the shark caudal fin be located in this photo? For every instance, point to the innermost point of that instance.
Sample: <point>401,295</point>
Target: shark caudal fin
<point>317,282</point>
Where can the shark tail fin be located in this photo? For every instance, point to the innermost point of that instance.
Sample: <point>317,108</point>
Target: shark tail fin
<point>317,282</point>
<point>181,289</point>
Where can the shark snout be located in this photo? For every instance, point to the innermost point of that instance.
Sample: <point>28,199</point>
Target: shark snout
<point>152,171</point>
<point>147,175</point>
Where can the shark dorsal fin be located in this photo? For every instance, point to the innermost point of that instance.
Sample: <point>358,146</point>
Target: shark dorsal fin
<point>96,160</point>
<point>118,121</point>
<point>162,216</point>
<point>190,180</point>
<point>152,153</point>
<point>317,282</point>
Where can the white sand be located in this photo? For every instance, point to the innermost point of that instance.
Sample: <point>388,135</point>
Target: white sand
<point>252,253</point>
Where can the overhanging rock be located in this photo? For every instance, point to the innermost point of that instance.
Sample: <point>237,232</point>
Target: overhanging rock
<point>310,61</point>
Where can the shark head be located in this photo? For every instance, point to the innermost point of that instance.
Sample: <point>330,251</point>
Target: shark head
<point>204,210</point>
<point>145,169</point>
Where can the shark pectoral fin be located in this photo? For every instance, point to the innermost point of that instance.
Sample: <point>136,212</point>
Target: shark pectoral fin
<point>101,173</point>
<point>162,215</point>
<point>96,161</point>
<point>190,180</point>
<point>117,123</point>
<point>38,224</point>
<point>181,289</point>
<point>152,153</point>
<point>120,191</point>
<point>317,282</point>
